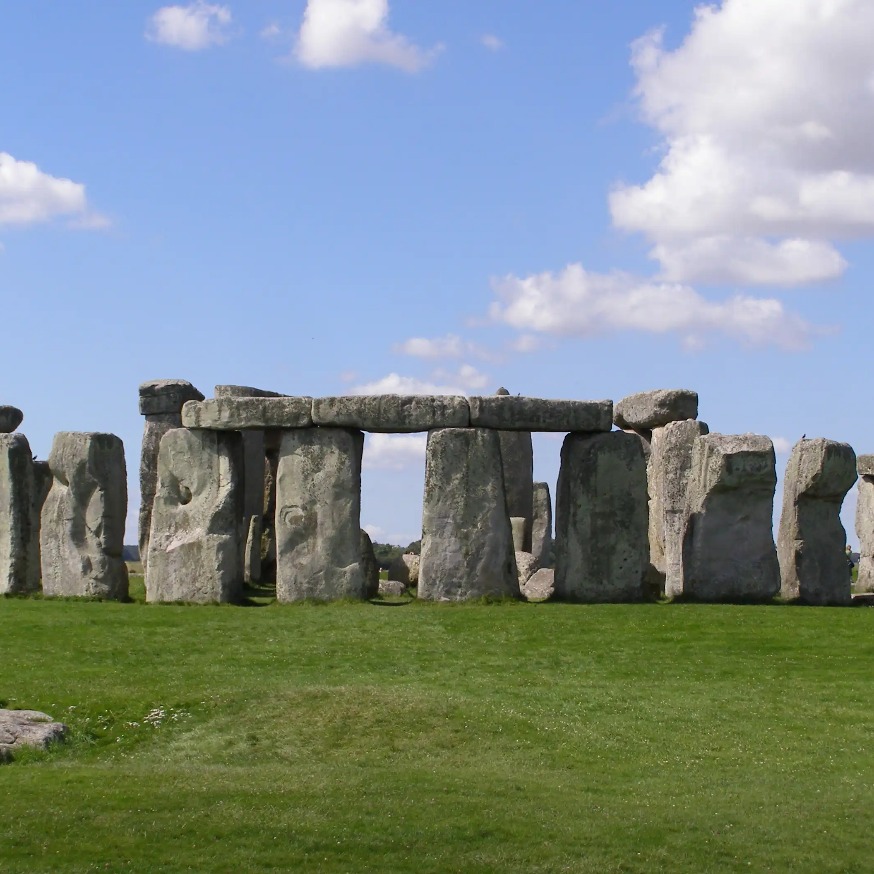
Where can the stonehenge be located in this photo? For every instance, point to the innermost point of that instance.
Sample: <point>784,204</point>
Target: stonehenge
<point>865,523</point>
<point>19,521</point>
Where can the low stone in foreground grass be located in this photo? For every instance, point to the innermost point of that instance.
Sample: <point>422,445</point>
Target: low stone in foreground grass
<point>428,738</point>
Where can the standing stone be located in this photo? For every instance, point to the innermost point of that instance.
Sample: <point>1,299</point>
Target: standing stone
<point>467,543</point>
<point>318,509</point>
<point>811,541</point>
<point>252,552</point>
<point>10,418</point>
<point>517,463</point>
<point>369,566</point>
<point>668,477</point>
<point>601,550</point>
<point>82,523</point>
<point>518,528</point>
<point>194,544</point>
<point>19,524</point>
<point>728,541</point>
<point>161,403</point>
<point>865,523</point>
<point>541,525</point>
<point>268,517</point>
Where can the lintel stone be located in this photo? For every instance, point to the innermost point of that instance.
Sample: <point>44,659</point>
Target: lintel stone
<point>245,413</point>
<point>244,391</point>
<point>652,409</point>
<point>512,413</point>
<point>166,396</point>
<point>392,413</point>
<point>865,465</point>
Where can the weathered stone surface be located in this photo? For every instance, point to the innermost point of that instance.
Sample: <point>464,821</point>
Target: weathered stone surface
<point>244,391</point>
<point>155,427</point>
<point>541,525</point>
<point>865,525</point>
<point>728,541</point>
<point>526,565</point>
<point>318,508</point>
<point>194,547</point>
<point>668,478</point>
<point>161,396</point>
<point>601,548</point>
<point>865,465</point>
<point>42,483</point>
<point>252,551</point>
<point>369,566</point>
<point>467,544</point>
<point>19,522</point>
<point>511,413</point>
<point>517,462</point>
<point>405,568</point>
<point>652,409</point>
<point>392,413</point>
<point>518,526</point>
<point>27,728</point>
<point>392,588</point>
<point>811,540</point>
<point>82,523</point>
<point>540,585</point>
<point>10,418</point>
<point>242,414</point>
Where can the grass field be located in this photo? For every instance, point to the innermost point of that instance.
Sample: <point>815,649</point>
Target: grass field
<point>426,738</point>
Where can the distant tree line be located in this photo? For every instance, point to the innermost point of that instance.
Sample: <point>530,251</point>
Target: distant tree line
<point>386,553</point>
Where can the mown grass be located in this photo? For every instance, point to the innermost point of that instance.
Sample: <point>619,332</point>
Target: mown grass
<point>426,738</point>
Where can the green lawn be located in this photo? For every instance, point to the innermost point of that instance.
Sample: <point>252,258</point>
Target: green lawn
<point>427,738</point>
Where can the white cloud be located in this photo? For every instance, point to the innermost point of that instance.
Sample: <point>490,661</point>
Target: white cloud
<point>766,111</point>
<point>394,451</point>
<point>395,384</point>
<point>491,42</point>
<point>196,26</point>
<point>28,195</point>
<point>582,304</point>
<point>782,446</point>
<point>345,33</point>
<point>271,31</point>
<point>450,346</point>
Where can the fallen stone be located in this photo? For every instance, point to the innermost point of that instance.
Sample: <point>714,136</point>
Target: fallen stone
<point>28,728</point>
<point>160,396</point>
<point>467,544</point>
<point>652,409</point>
<point>19,522</point>
<point>369,566</point>
<point>10,418</point>
<point>83,517</point>
<point>728,541</point>
<point>526,566</point>
<point>601,546</point>
<point>242,414</point>
<point>541,525</point>
<point>392,413</point>
<point>392,588</point>
<point>405,568</point>
<point>811,539</point>
<point>512,413</point>
<point>540,585</point>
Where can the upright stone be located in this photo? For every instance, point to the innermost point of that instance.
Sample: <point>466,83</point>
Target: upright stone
<point>318,509</point>
<point>811,541</point>
<point>161,403</point>
<point>541,525</point>
<point>82,523</point>
<point>668,476</point>
<point>369,566</point>
<point>517,462</point>
<point>601,551</point>
<point>19,524</point>
<point>194,545</point>
<point>252,551</point>
<point>467,543</point>
<point>728,541</point>
<point>865,523</point>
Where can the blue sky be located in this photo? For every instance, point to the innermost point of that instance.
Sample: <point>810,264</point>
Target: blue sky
<point>568,198</point>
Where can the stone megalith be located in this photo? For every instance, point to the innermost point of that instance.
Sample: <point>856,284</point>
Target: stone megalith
<point>161,403</point>
<point>811,540</point>
<point>541,525</point>
<point>195,553</point>
<point>467,543</point>
<point>10,418</point>
<point>318,510</point>
<point>19,522</point>
<point>653,409</point>
<point>865,523</point>
<point>601,549</point>
<point>83,516</point>
<point>728,541</point>
<point>369,566</point>
<point>517,463</point>
<point>405,569</point>
<point>668,474</point>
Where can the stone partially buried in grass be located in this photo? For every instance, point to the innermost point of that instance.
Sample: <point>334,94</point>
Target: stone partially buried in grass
<point>27,728</point>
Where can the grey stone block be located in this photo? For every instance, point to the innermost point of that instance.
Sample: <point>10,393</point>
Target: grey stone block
<point>160,396</point>
<point>865,465</point>
<point>541,525</point>
<point>155,427</point>
<point>10,418</point>
<point>652,409</point>
<point>392,413</point>
<point>244,391</point>
<point>511,413</point>
<point>241,414</point>
<point>865,529</point>
<point>19,522</point>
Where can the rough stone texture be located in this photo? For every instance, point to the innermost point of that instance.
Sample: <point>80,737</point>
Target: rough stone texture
<point>244,391</point>
<point>540,585</point>
<point>10,418</point>
<point>652,409</point>
<point>392,413</point>
<point>509,413</point>
<point>405,569</point>
<point>82,522</point>
<point>160,396</point>
<point>27,728</point>
<point>243,414</point>
<point>811,540</point>
<point>318,508</point>
<point>517,463</point>
<point>668,477</point>
<point>526,566</point>
<point>865,465</point>
<point>518,526</point>
<point>194,548</point>
<point>601,548</point>
<point>42,483</point>
<point>467,544</point>
<point>728,541</point>
<point>369,566</point>
<point>252,551</point>
<point>268,518</point>
<point>541,524</point>
<point>865,524</point>
<point>392,588</point>
<point>19,522</point>
<point>155,427</point>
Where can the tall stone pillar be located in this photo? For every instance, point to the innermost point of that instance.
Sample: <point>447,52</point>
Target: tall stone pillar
<point>194,544</point>
<point>19,522</point>
<point>318,510</point>
<point>161,403</point>
<point>541,525</point>
<point>865,523</point>
<point>517,463</point>
<point>82,522</point>
<point>811,541</point>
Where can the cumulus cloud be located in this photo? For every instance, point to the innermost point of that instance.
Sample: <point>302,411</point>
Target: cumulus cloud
<point>462,381</point>
<point>346,33</point>
<point>28,195</point>
<point>394,451</point>
<point>765,112</point>
<point>577,303</point>
<point>196,26</point>
<point>449,346</point>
